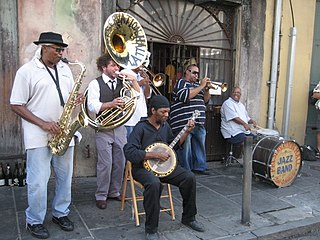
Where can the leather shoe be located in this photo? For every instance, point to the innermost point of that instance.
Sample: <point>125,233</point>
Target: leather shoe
<point>152,236</point>
<point>195,225</point>
<point>38,231</point>
<point>102,204</point>
<point>64,223</point>
<point>117,198</point>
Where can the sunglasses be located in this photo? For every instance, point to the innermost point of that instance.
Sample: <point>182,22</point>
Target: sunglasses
<point>58,49</point>
<point>194,72</point>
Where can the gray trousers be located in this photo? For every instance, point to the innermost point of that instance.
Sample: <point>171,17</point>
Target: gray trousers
<point>111,162</point>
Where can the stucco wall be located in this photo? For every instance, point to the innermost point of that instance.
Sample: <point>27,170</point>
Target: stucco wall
<point>304,22</point>
<point>250,65</point>
<point>253,61</point>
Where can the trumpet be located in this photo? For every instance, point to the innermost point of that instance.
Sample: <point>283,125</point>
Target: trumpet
<point>157,80</point>
<point>217,85</point>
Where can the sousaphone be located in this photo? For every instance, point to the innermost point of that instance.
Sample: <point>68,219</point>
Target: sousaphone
<point>125,40</point>
<point>126,43</point>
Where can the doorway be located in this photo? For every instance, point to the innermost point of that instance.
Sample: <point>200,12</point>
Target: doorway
<point>171,60</point>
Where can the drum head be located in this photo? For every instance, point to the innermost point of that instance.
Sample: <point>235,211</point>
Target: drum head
<point>267,132</point>
<point>285,163</point>
<point>277,160</point>
<point>158,167</point>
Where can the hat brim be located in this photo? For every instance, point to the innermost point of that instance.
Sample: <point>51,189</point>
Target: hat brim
<point>43,41</point>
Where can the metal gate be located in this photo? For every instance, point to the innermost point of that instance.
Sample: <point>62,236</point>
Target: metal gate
<point>176,40</point>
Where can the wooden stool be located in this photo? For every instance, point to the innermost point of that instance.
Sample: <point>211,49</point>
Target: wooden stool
<point>135,198</point>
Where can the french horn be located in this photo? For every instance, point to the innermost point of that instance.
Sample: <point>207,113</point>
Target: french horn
<point>126,43</point>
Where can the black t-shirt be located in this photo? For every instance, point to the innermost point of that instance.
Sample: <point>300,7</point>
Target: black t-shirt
<point>143,135</point>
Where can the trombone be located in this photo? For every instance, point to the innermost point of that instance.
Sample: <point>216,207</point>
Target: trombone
<point>157,80</point>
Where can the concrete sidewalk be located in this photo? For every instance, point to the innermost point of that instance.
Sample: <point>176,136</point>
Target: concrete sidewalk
<point>275,212</point>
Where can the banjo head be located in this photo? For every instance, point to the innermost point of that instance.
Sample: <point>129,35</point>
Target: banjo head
<point>158,167</point>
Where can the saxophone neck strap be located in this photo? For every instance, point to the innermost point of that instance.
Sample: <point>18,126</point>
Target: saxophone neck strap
<point>56,81</point>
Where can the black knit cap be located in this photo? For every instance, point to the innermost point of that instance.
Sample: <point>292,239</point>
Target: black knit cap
<point>159,101</point>
<point>51,37</point>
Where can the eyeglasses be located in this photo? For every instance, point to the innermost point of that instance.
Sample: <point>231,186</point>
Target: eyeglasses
<point>58,49</point>
<point>194,72</point>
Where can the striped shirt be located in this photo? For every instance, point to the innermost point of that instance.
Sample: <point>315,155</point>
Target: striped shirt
<point>182,107</point>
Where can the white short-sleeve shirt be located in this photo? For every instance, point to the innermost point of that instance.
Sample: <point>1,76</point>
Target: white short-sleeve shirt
<point>34,88</point>
<point>231,109</point>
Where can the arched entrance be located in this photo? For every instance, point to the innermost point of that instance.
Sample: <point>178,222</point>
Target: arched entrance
<point>179,33</point>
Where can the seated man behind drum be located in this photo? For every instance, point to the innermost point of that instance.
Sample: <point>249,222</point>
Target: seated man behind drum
<point>147,132</point>
<point>235,120</point>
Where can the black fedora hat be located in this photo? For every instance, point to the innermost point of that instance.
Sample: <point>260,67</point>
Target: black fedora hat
<point>51,37</point>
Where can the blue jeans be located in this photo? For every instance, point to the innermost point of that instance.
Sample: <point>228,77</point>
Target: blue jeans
<point>239,138</point>
<point>130,128</point>
<point>39,161</point>
<point>129,131</point>
<point>192,155</point>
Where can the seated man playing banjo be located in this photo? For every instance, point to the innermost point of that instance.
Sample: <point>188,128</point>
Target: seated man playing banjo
<point>148,133</point>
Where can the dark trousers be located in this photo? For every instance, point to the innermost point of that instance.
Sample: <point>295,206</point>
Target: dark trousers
<point>180,177</point>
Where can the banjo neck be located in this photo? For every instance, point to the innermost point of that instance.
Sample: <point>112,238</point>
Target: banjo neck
<point>195,115</point>
<point>177,138</point>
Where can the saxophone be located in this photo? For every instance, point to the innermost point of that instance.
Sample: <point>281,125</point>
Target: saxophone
<point>59,143</point>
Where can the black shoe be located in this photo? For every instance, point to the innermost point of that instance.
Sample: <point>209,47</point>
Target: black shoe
<point>201,172</point>
<point>38,231</point>
<point>64,223</point>
<point>117,198</point>
<point>102,204</point>
<point>195,225</point>
<point>152,236</point>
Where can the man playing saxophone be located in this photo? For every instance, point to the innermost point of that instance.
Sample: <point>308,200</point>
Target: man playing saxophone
<point>104,94</point>
<point>40,90</point>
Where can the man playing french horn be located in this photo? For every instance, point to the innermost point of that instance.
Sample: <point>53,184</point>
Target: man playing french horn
<point>104,94</point>
<point>147,132</point>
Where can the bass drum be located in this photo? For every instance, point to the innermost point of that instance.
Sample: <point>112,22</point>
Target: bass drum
<point>265,132</point>
<point>277,160</point>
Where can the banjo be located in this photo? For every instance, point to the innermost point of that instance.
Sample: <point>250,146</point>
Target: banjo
<point>164,168</point>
